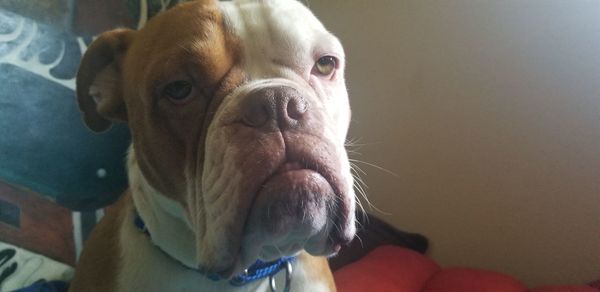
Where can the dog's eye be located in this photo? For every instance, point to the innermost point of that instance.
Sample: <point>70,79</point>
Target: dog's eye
<point>325,65</point>
<point>178,91</point>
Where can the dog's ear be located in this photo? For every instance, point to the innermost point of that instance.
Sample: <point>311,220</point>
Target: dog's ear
<point>99,90</point>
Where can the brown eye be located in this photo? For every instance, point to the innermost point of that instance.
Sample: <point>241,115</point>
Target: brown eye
<point>178,91</point>
<point>325,65</point>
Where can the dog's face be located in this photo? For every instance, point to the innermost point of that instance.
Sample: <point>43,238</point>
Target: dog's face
<point>238,112</point>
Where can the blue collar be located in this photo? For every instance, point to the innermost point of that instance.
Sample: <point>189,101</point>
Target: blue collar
<point>257,271</point>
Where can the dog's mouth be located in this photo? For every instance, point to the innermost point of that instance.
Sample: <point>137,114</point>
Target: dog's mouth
<point>289,166</point>
<point>296,208</point>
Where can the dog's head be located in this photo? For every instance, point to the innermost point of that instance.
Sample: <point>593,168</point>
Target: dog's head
<point>238,112</point>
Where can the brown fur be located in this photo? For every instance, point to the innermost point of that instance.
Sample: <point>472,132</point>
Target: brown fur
<point>317,268</point>
<point>101,255</point>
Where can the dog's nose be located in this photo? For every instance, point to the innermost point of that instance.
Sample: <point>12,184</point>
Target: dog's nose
<point>280,106</point>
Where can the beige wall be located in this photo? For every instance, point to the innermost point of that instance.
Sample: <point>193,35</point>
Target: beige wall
<point>489,112</point>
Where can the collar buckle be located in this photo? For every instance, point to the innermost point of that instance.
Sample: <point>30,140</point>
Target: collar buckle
<point>288,278</point>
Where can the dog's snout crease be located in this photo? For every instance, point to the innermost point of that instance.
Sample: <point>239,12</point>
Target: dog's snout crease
<point>274,107</point>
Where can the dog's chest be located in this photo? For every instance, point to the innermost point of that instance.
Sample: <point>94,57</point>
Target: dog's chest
<point>145,268</point>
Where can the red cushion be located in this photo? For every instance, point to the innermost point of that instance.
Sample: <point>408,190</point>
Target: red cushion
<point>387,268</point>
<point>465,279</point>
<point>393,268</point>
<point>564,289</point>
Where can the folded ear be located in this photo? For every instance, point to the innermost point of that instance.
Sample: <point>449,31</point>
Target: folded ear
<point>99,90</point>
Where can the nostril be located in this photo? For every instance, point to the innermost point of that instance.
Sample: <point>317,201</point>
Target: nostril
<point>296,108</point>
<point>256,114</point>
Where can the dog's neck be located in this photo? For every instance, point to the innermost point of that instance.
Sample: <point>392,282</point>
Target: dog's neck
<point>164,218</point>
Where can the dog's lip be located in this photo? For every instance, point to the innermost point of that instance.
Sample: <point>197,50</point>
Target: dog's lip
<point>337,237</point>
<point>307,164</point>
<point>288,166</point>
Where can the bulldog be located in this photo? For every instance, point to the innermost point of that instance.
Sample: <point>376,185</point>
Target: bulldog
<point>239,179</point>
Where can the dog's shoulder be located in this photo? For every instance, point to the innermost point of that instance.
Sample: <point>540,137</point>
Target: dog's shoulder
<point>101,254</point>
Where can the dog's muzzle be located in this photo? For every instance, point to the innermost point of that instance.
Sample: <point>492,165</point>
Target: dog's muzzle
<point>295,196</point>
<point>296,207</point>
<point>287,173</point>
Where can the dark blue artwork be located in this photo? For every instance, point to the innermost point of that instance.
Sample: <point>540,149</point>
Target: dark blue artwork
<point>44,145</point>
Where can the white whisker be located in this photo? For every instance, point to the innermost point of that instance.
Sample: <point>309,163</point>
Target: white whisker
<point>375,166</point>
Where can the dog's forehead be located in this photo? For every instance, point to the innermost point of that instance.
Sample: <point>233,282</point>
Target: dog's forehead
<point>272,16</point>
<point>281,32</point>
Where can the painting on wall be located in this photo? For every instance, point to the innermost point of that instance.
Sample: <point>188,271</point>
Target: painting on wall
<point>56,176</point>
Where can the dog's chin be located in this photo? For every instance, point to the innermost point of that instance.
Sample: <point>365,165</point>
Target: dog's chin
<point>294,210</point>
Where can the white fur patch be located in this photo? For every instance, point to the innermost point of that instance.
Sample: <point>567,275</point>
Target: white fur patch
<point>165,219</point>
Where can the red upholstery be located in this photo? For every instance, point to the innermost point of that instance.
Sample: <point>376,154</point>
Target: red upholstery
<point>464,279</point>
<point>387,268</point>
<point>564,289</point>
<point>393,268</point>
